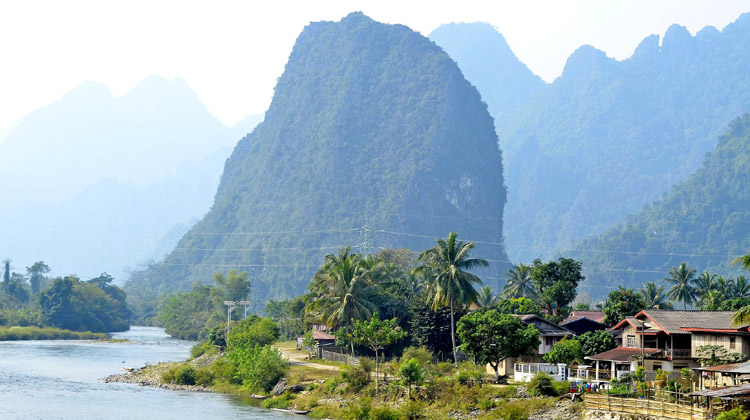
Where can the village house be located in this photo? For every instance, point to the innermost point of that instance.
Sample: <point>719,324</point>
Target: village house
<point>581,322</point>
<point>667,340</point>
<point>549,334</point>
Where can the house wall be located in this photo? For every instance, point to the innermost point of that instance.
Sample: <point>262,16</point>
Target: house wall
<point>700,339</point>
<point>546,343</point>
<point>629,330</point>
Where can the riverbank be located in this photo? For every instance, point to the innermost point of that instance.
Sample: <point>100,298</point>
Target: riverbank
<point>151,376</point>
<point>17,333</point>
<point>344,393</point>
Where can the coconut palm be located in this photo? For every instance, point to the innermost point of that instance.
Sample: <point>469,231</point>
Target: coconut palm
<point>743,261</point>
<point>342,291</point>
<point>682,279</point>
<point>486,297</point>
<point>519,283</point>
<point>450,284</point>
<point>741,287</point>
<point>711,300</point>
<point>654,297</point>
<point>704,283</point>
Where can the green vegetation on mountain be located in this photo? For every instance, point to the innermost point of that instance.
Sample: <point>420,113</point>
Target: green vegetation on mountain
<point>702,221</point>
<point>607,136</point>
<point>373,139</point>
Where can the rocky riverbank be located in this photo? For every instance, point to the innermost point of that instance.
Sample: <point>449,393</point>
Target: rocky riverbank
<point>151,376</point>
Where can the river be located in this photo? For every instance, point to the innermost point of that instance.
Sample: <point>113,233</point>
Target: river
<point>63,380</point>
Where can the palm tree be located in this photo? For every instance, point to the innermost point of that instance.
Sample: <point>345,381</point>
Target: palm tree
<point>519,283</point>
<point>654,297</point>
<point>486,297</point>
<point>704,283</point>
<point>342,291</point>
<point>741,287</point>
<point>446,267</point>
<point>744,261</point>
<point>682,278</point>
<point>711,300</point>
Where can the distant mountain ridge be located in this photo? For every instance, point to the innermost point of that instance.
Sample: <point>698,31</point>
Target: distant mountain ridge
<point>488,63</point>
<point>94,182</point>
<point>607,136</point>
<point>373,139</point>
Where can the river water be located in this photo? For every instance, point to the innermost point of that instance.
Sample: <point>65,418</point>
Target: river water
<point>63,380</point>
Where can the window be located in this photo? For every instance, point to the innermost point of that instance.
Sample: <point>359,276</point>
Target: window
<point>732,343</point>
<point>630,341</point>
<point>550,341</point>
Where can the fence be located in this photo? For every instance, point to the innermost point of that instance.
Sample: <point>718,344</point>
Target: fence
<point>646,407</point>
<point>523,372</point>
<point>337,357</point>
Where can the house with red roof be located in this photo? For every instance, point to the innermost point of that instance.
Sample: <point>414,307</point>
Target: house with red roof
<point>668,340</point>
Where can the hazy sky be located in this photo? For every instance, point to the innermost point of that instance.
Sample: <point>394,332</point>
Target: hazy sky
<point>231,52</point>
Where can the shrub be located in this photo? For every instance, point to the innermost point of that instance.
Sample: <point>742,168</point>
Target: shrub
<point>514,410</point>
<point>469,374</point>
<point>367,364</point>
<point>561,387</point>
<point>422,355</point>
<point>204,376</point>
<point>168,376</point>
<point>412,410</point>
<point>258,368</point>
<point>383,413</point>
<point>359,409</point>
<point>200,349</point>
<point>411,373</point>
<point>734,414</point>
<point>541,384</point>
<point>282,401</point>
<point>356,378</point>
<point>185,375</point>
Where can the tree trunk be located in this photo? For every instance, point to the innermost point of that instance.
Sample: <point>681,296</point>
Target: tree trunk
<point>351,343</point>
<point>376,371</point>
<point>453,335</point>
<point>497,373</point>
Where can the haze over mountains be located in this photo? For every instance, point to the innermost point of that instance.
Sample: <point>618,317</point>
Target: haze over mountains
<point>373,139</point>
<point>704,221</point>
<point>606,137</point>
<point>95,183</point>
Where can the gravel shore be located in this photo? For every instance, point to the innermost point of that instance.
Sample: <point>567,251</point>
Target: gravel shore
<point>151,376</point>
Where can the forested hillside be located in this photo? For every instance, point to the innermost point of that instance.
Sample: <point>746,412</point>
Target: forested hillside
<point>373,139</point>
<point>703,221</point>
<point>609,136</point>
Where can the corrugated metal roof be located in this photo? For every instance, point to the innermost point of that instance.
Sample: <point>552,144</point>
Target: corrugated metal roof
<point>726,392</point>
<point>320,335</point>
<point>622,354</point>
<point>738,368</point>
<point>672,321</point>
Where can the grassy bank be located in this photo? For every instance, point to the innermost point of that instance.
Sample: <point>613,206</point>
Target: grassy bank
<point>47,333</point>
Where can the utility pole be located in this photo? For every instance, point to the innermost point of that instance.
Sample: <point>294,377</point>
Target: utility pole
<point>230,307</point>
<point>246,304</point>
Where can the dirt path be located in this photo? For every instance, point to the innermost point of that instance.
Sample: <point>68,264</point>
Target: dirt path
<point>298,358</point>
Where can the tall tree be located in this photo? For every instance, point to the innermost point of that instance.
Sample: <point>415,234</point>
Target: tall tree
<point>556,283</point>
<point>35,273</point>
<point>490,337</point>
<point>519,283</point>
<point>653,297</point>
<point>485,297</point>
<point>682,279</point>
<point>341,291</point>
<point>376,334</point>
<point>622,303</point>
<point>446,265</point>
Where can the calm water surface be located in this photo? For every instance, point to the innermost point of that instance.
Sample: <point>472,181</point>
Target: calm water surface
<point>63,380</point>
